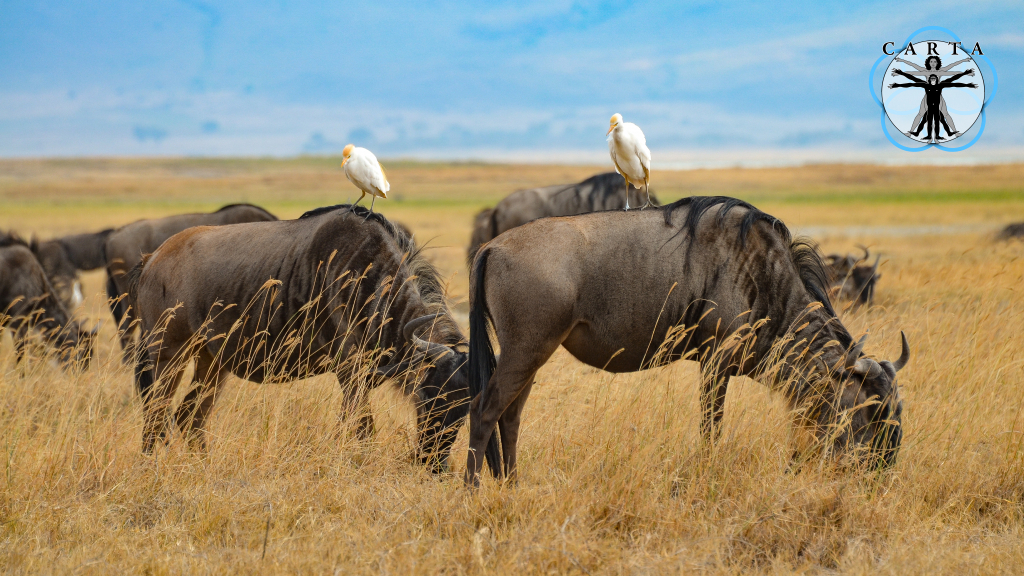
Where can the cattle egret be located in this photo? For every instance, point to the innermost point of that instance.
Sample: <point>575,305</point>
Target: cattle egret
<point>630,154</point>
<point>363,170</point>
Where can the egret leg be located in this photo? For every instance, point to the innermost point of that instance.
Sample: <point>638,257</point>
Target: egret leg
<point>372,200</point>
<point>627,195</point>
<point>356,203</point>
<point>647,188</point>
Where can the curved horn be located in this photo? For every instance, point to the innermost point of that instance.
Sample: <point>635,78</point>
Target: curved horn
<point>414,324</point>
<point>433,350</point>
<point>853,355</point>
<point>867,367</point>
<point>874,269</point>
<point>865,249</point>
<point>904,354</point>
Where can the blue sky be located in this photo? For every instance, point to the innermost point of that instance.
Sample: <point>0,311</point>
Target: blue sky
<point>470,79</point>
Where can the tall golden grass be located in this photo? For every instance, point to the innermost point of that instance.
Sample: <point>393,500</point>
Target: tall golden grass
<point>613,478</point>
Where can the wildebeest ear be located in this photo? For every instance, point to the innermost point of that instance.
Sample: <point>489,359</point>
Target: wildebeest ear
<point>868,368</point>
<point>853,354</point>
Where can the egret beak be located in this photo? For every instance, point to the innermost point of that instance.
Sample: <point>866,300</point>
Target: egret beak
<point>343,162</point>
<point>610,129</point>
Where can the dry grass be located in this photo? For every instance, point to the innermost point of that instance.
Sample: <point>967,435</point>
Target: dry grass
<point>612,480</point>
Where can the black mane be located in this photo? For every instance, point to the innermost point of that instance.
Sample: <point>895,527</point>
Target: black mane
<point>428,279</point>
<point>11,239</point>
<point>404,240</point>
<point>814,273</point>
<point>605,185</point>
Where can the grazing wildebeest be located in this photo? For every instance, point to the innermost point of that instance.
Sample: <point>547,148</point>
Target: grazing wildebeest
<point>852,279</point>
<point>62,258</point>
<point>595,194</point>
<point>28,300</point>
<point>1011,231</point>
<point>609,287</point>
<point>126,245</point>
<point>279,301</point>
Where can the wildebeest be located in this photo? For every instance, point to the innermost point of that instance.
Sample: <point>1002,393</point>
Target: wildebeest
<point>28,300</point>
<point>125,246</point>
<point>601,192</point>
<point>278,301</point>
<point>1011,231</point>
<point>63,257</point>
<point>711,279</point>
<point>852,279</point>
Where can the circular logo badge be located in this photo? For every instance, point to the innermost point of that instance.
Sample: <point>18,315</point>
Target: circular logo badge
<point>933,91</point>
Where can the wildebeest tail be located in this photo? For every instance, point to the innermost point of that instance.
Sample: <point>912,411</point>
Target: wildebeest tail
<point>118,307</point>
<point>132,280</point>
<point>481,352</point>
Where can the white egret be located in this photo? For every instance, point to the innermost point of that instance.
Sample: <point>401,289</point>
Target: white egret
<point>363,170</point>
<point>630,154</point>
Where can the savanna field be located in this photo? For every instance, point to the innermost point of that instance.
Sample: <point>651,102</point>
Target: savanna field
<point>613,478</point>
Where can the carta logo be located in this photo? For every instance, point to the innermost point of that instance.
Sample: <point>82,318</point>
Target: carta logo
<point>933,91</point>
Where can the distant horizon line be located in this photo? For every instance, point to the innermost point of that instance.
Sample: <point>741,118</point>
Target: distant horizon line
<point>671,159</point>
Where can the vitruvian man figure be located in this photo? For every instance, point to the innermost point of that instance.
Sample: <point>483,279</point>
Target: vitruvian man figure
<point>932,100</point>
<point>933,65</point>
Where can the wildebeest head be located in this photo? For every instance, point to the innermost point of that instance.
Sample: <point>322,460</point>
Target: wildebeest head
<point>442,391</point>
<point>61,271</point>
<point>871,399</point>
<point>852,279</point>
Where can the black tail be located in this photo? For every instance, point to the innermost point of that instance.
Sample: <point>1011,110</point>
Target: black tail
<point>143,372</point>
<point>118,306</point>
<point>481,354</point>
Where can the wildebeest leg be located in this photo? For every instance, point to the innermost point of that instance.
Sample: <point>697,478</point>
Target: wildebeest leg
<point>357,404</point>
<point>156,402</point>
<point>508,426</point>
<point>195,408</point>
<point>712,402</point>
<point>122,317</point>
<point>511,378</point>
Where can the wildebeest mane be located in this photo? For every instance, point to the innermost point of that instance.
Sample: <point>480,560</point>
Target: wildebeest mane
<point>700,205</point>
<point>247,205</point>
<point>602,186</point>
<point>11,239</point>
<point>804,252</point>
<point>427,278</point>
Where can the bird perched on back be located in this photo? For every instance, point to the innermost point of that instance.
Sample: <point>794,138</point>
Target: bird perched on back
<point>363,170</point>
<point>630,154</point>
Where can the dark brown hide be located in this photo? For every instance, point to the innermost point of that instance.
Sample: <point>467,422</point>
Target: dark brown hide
<point>125,246</point>
<point>610,286</point>
<point>595,194</point>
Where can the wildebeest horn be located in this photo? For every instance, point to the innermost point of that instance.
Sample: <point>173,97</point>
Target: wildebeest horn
<point>865,249</point>
<point>853,355</point>
<point>432,350</point>
<point>904,354</point>
<point>414,324</point>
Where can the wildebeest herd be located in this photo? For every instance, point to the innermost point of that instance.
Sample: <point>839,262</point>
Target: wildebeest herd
<point>343,290</point>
